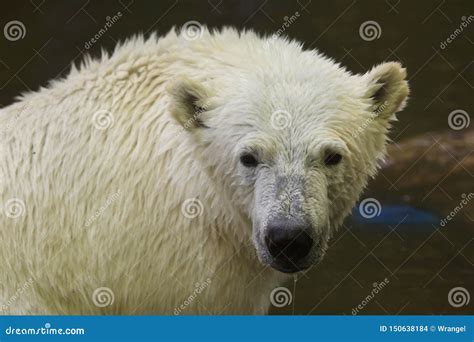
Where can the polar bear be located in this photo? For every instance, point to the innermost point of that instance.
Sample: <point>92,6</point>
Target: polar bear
<point>184,175</point>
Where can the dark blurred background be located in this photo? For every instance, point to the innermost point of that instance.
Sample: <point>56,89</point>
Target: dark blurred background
<point>427,264</point>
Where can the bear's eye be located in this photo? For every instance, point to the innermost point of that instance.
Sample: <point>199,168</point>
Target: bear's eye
<point>248,160</point>
<point>332,159</point>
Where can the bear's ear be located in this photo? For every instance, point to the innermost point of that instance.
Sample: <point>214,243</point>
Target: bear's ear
<point>387,88</point>
<point>188,101</point>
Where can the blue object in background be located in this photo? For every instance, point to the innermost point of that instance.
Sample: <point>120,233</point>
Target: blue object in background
<point>383,215</point>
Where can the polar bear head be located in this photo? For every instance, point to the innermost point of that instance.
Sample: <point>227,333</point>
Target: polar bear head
<point>292,139</point>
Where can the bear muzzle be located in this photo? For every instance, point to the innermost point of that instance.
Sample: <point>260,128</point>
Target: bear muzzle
<point>289,244</point>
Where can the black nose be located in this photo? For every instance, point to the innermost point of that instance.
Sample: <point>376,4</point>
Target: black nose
<point>288,243</point>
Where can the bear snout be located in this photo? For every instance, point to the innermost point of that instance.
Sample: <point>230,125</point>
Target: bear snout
<point>289,244</point>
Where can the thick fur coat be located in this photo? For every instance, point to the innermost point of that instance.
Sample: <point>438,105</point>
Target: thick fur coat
<point>124,176</point>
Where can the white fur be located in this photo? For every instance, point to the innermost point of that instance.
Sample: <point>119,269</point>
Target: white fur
<point>141,246</point>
